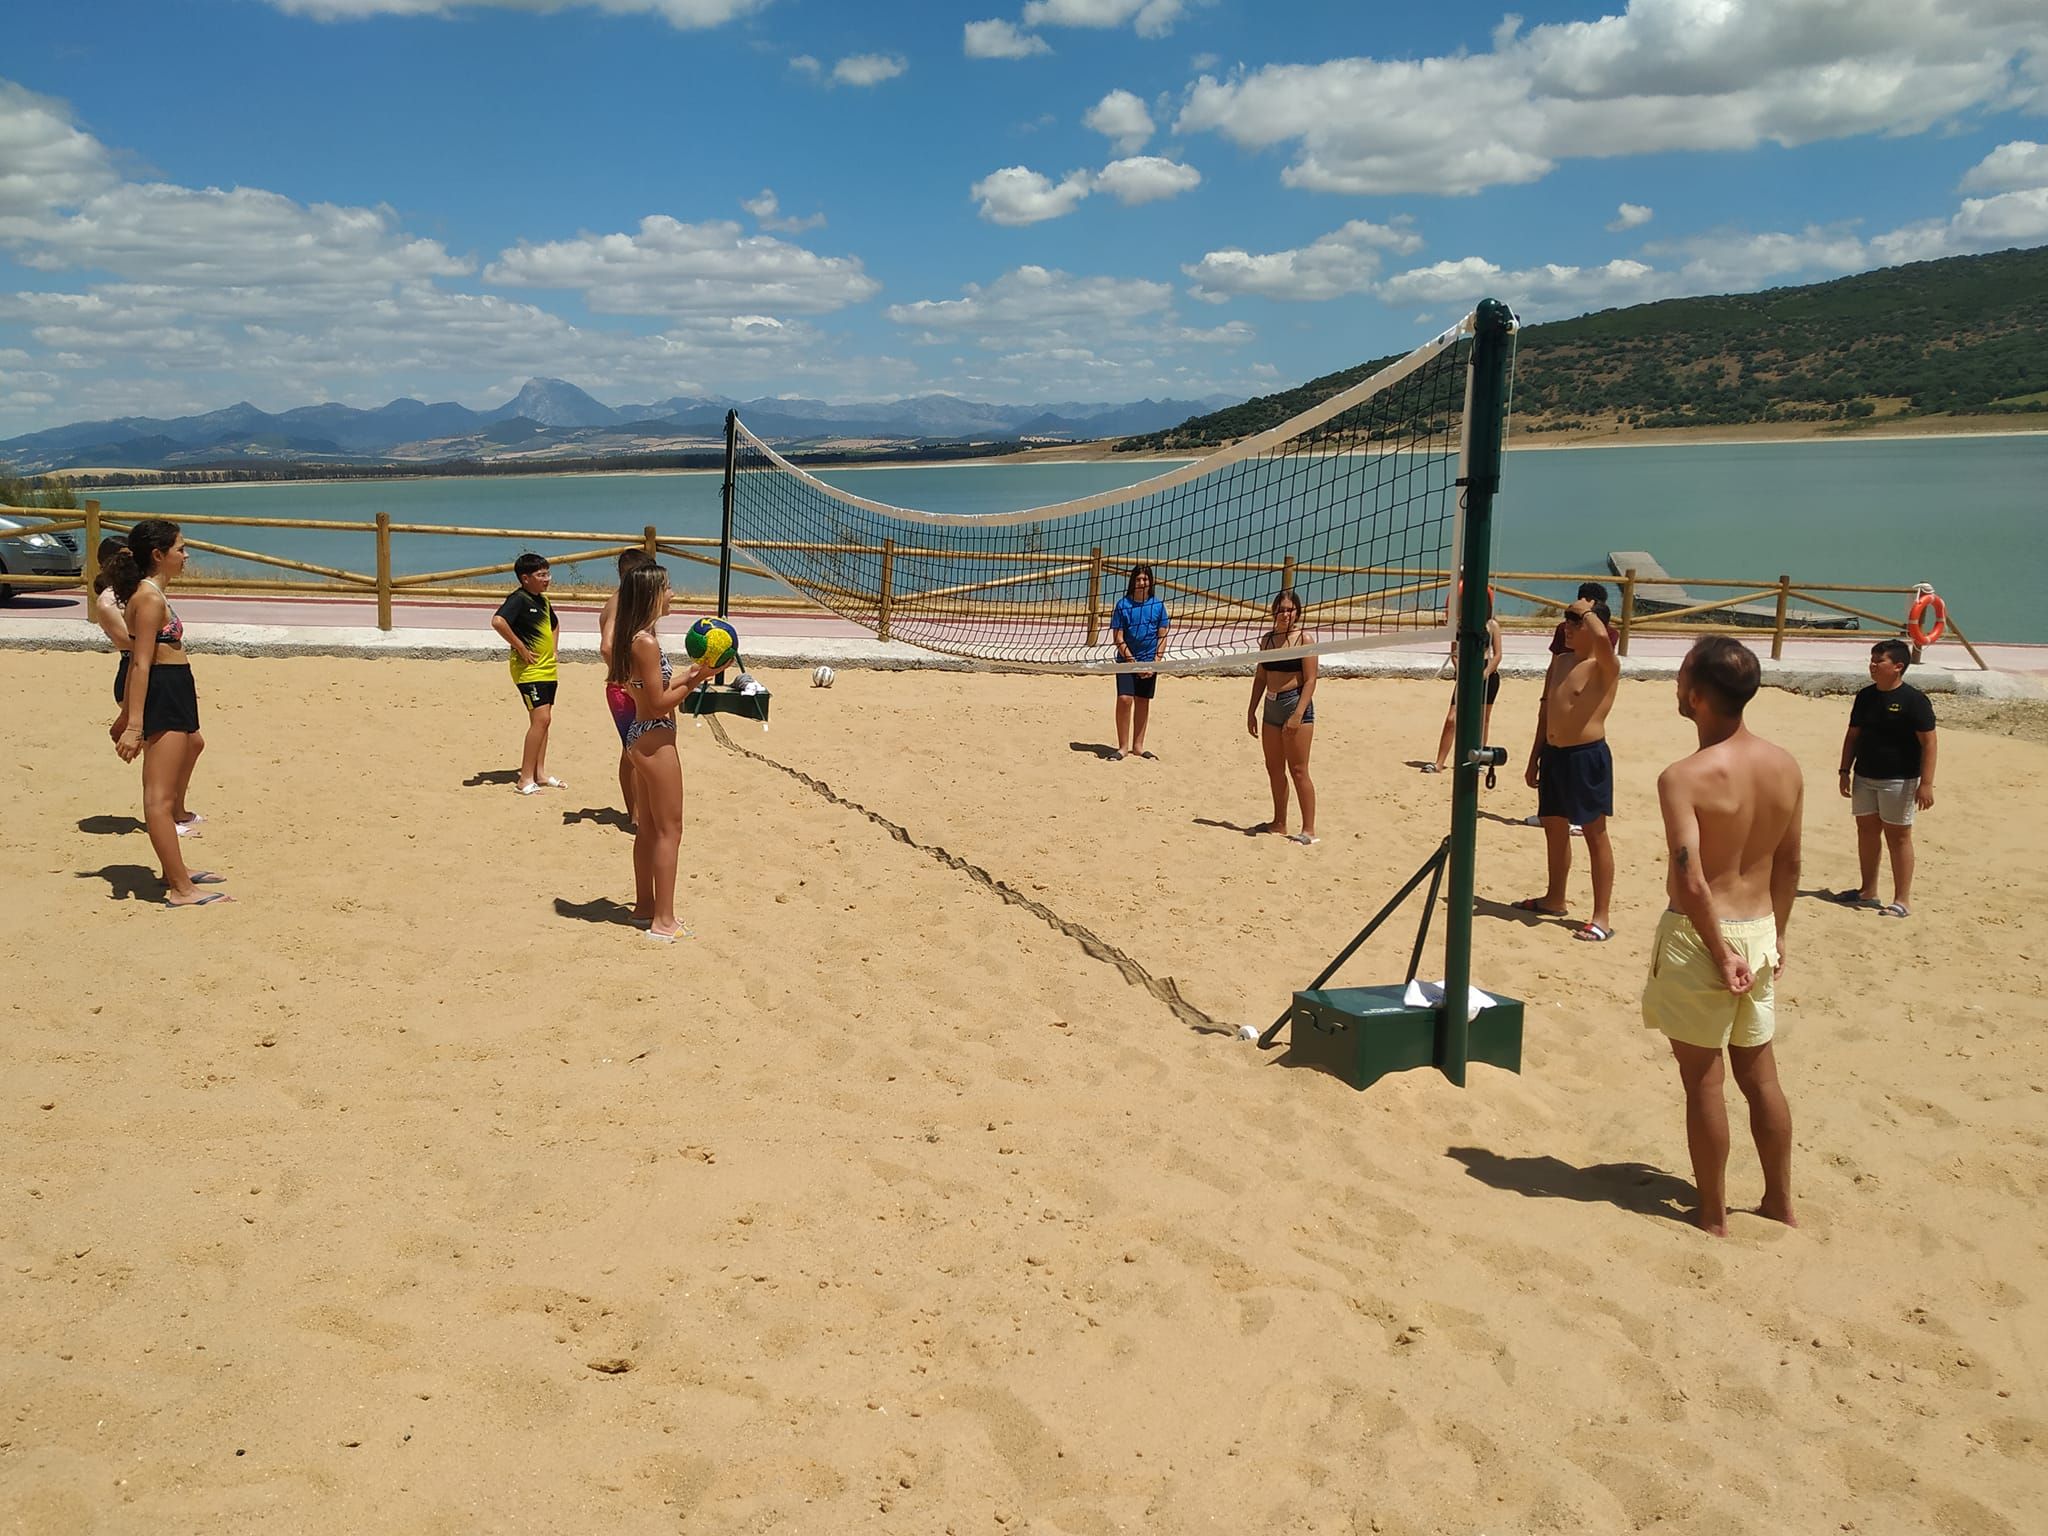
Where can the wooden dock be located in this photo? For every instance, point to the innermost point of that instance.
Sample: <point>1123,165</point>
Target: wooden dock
<point>1657,593</point>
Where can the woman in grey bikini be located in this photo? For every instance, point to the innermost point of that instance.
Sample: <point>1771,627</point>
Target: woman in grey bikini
<point>1286,725</point>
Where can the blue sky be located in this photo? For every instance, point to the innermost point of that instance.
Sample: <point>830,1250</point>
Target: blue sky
<point>289,201</point>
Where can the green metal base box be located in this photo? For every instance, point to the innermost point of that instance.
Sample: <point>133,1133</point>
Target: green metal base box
<point>1363,1033</point>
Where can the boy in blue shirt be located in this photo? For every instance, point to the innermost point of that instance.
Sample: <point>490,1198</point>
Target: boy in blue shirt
<point>1138,626</point>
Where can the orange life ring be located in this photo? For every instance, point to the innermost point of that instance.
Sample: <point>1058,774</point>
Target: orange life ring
<point>1921,604</point>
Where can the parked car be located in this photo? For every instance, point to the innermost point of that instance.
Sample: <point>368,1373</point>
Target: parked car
<point>25,550</point>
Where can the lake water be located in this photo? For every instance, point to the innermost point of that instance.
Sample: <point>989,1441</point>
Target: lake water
<point>1966,514</point>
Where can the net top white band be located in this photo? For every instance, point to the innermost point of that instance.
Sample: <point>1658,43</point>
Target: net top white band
<point>1304,421</point>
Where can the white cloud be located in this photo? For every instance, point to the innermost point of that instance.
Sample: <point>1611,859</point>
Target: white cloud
<point>1017,195</point>
<point>2015,167</point>
<point>1032,297</point>
<point>1665,75</point>
<point>1121,118</point>
<point>44,161</point>
<point>1536,293</point>
<point>1039,330</point>
<point>1734,261</point>
<point>998,39</point>
<point>672,268</point>
<point>805,65</point>
<point>1630,216</point>
<point>213,239</point>
<point>1146,179</point>
<point>682,14</point>
<point>1344,261</point>
<point>1152,18</point>
<point>767,212</point>
<point>862,69</point>
<point>1980,224</point>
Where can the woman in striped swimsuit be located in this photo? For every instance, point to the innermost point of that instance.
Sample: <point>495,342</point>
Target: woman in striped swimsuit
<point>640,667</point>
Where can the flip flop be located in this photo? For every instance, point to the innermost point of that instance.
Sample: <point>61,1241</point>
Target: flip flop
<point>525,789</point>
<point>1593,933</point>
<point>667,938</point>
<point>1305,839</point>
<point>205,901</point>
<point>1851,898</point>
<point>208,877</point>
<point>1531,904</point>
<point>1116,757</point>
<point>550,782</point>
<point>1893,909</point>
<point>191,820</point>
<point>1431,768</point>
<point>1150,757</point>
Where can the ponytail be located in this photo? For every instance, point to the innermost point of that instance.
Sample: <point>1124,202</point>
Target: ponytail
<point>102,558</point>
<point>127,567</point>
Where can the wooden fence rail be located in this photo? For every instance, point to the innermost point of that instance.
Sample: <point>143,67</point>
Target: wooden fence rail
<point>893,598</point>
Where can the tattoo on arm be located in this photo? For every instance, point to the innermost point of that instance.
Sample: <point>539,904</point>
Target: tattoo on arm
<point>1684,856</point>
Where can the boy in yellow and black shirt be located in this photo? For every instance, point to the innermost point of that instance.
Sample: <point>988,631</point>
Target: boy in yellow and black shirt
<point>528,623</point>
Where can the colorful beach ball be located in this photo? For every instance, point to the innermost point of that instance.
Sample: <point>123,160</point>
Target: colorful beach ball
<point>711,642</point>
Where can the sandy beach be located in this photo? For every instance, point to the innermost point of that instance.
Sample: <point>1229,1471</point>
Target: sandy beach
<point>928,1189</point>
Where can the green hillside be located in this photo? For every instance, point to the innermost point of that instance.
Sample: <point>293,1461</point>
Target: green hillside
<point>1966,335</point>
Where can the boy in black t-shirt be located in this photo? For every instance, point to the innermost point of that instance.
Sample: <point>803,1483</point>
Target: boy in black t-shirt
<point>528,623</point>
<point>1887,773</point>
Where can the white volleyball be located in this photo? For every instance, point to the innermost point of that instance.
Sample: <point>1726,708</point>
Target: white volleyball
<point>822,678</point>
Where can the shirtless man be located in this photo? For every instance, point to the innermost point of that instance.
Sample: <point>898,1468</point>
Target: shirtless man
<point>1731,819</point>
<point>1572,770</point>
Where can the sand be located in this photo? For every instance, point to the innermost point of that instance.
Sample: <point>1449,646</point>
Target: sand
<point>414,1192</point>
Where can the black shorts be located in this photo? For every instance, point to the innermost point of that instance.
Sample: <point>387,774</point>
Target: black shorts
<point>1493,688</point>
<point>1131,686</point>
<point>536,694</point>
<point>172,703</point>
<point>121,679</point>
<point>1576,783</point>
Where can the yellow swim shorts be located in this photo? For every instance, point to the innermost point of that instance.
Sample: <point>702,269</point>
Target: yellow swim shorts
<point>1685,996</point>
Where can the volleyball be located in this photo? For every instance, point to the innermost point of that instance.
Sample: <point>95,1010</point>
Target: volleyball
<point>711,642</point>
<point>822,678</point>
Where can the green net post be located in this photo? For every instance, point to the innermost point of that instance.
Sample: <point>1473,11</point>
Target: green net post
<point>1485,425</point>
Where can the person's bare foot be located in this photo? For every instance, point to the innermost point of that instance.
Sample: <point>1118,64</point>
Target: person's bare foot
<point>1712,1227</point>
<point>1267,826</point>
<point>1778,1210</point>
<point>196,899</point>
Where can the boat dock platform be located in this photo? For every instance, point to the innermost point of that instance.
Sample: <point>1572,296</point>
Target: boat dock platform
<point>1656,592</point>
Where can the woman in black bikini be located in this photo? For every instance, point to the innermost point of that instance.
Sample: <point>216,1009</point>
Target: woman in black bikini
<point>159,719</point>
<point>1286,726</point>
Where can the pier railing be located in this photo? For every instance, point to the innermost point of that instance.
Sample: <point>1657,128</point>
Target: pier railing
<point>891,601</point>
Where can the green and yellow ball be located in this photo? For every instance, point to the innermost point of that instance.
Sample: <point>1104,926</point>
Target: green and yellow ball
<point>711,643</point>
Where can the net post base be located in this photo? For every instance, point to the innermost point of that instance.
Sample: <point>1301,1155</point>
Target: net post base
<point>1360,1034</point>
<point>714,700</point>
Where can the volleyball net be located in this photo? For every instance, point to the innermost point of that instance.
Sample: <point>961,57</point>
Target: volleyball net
<point>1354,504</point>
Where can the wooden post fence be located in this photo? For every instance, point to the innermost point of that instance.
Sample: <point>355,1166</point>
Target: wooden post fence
<point>1094,594</point>
<point>888,582</point>
<point>1778,625</point>
<point>384,571</point>
<point>89,559</point>
<point>1628,607</point>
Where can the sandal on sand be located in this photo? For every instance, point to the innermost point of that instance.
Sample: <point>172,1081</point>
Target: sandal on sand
<point>1116,757</point>
<point>1894,909</point>
<point>1531,904</point>
<point>1849,898</point>
<point>208,877</point>
<point>1431,768</point>
<point>1593,933</point>
<point>1306,839</point>
<point>205,901</point>
<point>525,789</point>
<point>550,782</point>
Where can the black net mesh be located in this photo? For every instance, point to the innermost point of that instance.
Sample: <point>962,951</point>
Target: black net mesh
<point>1353,503</point>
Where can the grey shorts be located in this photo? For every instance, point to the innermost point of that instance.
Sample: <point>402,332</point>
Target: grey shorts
<point>1279,709</point>
<point>1890,800</point>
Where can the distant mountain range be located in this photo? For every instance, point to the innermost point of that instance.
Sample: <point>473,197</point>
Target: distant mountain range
<point>550,418</point>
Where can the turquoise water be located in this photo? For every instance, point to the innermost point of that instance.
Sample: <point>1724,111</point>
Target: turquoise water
<point>1964,513</point>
